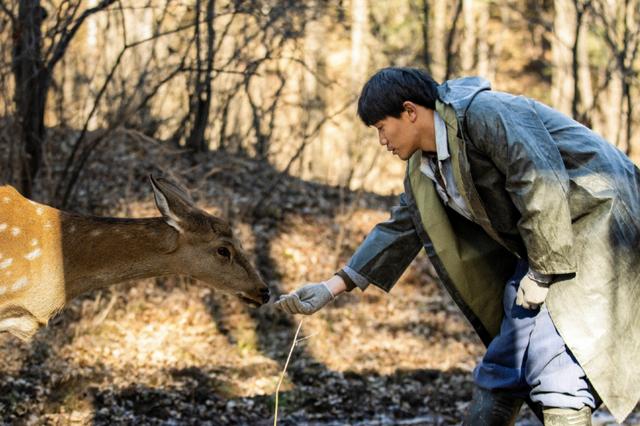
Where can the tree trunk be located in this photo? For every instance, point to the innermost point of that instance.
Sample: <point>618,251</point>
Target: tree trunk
<point>562,77</point>
<point>485,66</point>
<point>626,90</point>
<point>438,40</point>
<point>451,37</point>
<point>316,159</point>
<point>426,41</point>
<point>202,102</point>
<point>359,66</point>
<point>359,31</point>
<point>613,102</point>
<point>575,64</point>
<point>31,87</point>
<point>585,103</point>
<point>469,44</point>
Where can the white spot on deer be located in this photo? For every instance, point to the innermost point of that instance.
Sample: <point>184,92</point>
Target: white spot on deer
<point>40,211</point>
<point>3,290</point>
<point>34,254</point>
<point>3,227</point>
<point>95,233</point>
<point>34,242</point>
<point>6,263</point>
<point>19,284</point>
<point>6,200</point>
<point>48,225</point>
<point>15,231</point>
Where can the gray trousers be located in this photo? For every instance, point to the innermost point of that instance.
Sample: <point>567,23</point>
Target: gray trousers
<point>529,358</point>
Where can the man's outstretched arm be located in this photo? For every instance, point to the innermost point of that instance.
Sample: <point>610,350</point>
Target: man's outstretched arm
<point>382,257</point>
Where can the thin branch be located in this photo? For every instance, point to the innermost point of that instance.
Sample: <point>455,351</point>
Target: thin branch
<point>64,18</point>
<point>80,138</point>
<point>305,140</point>
<point>8,12</point>
<point>169,32</point>
<point>221,71</point>
<point>62,45</point>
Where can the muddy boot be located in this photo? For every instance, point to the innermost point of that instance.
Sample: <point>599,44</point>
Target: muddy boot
<point>492,408</point>
<point>567,417</point>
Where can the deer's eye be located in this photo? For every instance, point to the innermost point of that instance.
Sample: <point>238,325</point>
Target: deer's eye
<point>224,252</point>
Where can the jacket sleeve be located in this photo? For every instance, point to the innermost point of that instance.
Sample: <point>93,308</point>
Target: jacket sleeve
<point>388,249</point>
<point>508,130</point>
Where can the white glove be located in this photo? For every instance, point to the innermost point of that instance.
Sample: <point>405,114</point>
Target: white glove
<point>305,300</point>
<point>531,292</point>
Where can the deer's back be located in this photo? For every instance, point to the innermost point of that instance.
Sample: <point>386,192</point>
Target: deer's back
<point>31,273</point>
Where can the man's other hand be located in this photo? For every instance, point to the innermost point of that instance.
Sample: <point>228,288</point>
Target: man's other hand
<point>306,300</point>
<point>531,294</point>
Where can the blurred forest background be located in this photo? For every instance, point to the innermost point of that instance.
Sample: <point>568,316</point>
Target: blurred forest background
<point>250,104</point>
<point>278,80</point>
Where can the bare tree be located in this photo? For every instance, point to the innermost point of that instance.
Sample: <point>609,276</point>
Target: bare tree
<point>426,45</point>
<point>33,69</point>
<point>469,40</point>
<point>444,36</point>
<point>200,104</point>
<point>581,9</point>
<point>620,29</point>
<point>564,40</point>
<point>451,37</point>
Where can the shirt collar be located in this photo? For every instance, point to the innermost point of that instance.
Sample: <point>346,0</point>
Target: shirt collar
<point>442,147</point>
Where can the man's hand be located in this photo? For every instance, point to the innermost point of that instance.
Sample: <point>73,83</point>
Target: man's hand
<point>306,300</point>
<point>531,293</point>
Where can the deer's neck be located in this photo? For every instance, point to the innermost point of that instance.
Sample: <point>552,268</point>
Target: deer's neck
<point>100,252</point>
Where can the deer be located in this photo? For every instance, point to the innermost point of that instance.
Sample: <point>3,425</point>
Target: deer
<point>48,256</point>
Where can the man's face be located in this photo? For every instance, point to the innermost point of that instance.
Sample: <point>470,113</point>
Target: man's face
<point>398,135</point>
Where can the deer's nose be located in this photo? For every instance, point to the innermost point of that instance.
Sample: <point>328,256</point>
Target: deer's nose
<point>265,294</point>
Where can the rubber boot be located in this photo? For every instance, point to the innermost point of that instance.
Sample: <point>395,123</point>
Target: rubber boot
<point>490,408</point>
<point>567,417</point>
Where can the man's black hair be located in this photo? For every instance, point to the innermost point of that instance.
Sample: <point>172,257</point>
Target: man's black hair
<point>382,96</point>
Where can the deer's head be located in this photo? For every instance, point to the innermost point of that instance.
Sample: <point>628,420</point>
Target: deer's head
<point>206,248</point>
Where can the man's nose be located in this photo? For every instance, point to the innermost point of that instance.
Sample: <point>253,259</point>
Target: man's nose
<point>382,140</point>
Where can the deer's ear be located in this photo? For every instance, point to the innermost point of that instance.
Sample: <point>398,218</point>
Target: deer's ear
<point>172,201</point>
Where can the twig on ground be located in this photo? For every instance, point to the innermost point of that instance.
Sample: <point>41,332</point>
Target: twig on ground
<point>284,370</point>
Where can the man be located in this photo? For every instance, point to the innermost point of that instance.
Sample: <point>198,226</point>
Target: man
<point>503,189</point>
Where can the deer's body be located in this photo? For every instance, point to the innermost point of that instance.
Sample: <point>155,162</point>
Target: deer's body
<point>48,257</point>
<point>32,284</point>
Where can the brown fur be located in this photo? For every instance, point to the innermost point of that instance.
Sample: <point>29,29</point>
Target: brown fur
<point>51,257</point>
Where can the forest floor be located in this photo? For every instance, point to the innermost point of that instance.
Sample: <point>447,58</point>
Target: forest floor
<point>172,352</point>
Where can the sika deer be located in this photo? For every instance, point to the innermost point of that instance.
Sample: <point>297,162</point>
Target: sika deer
<point>48,257</point>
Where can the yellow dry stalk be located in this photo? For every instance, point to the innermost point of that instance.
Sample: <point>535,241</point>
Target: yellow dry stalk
<point>284,370</point>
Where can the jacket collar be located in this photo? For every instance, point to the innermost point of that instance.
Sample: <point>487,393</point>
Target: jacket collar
<point>460,92</point>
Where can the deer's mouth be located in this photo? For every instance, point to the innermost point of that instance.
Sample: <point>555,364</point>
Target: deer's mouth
<point>250,301</point>
<point>255,298</point>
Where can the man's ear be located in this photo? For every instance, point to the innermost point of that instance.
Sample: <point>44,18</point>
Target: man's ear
<point>411,109</point>
<point>172,201</point>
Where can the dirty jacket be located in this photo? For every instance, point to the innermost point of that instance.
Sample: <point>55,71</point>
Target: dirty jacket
<point>540,187</point>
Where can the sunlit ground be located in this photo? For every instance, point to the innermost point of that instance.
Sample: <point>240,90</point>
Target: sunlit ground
<point>161,334</point>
